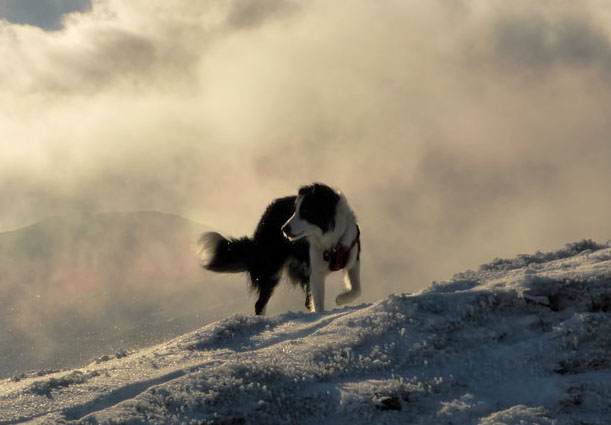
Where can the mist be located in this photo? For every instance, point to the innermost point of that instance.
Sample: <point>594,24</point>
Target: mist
<point>459,131</point>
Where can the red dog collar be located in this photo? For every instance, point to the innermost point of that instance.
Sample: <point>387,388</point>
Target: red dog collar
<point>338,257</point>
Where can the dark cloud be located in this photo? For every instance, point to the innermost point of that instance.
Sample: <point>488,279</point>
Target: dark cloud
<point>246,14</point>
<point>536,41</point>
<point>101,59</point>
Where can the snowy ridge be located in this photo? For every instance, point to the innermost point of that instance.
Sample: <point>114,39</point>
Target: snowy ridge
<point>516,342</point>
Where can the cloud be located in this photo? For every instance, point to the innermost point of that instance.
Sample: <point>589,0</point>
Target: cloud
<point>459,130</point>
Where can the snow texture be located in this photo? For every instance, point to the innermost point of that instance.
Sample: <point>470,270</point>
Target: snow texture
<point>521,341</point>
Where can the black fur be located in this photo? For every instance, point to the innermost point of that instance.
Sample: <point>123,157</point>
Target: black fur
<point>265,254</point>
<point>319,205</point>
<point>268,253</point>
<point>232,255</point>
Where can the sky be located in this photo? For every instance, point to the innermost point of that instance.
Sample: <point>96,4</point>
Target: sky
<point>45,14</point>
<point>458,129</point>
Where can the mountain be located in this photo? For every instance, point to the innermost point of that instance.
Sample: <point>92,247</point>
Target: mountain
<point>104,282</point>
<point>518,341</point>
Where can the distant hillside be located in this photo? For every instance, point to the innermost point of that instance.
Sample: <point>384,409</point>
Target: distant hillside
<point>105,282</point>
<point>518,342</point>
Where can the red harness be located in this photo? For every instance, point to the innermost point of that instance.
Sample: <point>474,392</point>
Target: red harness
<point>338,257</point>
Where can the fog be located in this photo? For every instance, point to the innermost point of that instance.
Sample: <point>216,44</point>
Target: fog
<point>459,130</point>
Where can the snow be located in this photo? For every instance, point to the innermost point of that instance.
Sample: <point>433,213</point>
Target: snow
<point>521,341</point>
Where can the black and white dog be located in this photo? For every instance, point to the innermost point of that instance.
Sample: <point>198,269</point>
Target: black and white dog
<point>304,237</point>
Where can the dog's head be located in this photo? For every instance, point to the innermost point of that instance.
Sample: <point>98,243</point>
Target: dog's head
<point>315,212</point>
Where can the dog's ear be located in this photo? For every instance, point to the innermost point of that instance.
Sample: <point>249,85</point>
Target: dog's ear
<point>329,199</point>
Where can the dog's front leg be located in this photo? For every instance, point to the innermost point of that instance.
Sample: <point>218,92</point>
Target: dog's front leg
<point>317,286</point>
<point>352,280</point>
<point>319,271</point>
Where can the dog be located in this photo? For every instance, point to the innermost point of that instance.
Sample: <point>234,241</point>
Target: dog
<point>303,238</point>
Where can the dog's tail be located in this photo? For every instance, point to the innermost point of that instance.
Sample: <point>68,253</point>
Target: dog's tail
<point>225,255</point>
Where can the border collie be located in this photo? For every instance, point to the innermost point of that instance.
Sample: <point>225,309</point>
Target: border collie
<point>303,237</point>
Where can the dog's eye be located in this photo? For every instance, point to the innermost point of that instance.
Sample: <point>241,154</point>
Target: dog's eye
<point>304,210</point>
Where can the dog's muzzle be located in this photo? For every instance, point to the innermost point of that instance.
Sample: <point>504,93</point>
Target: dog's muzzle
<point>286,229</point>
<point>288,232</point>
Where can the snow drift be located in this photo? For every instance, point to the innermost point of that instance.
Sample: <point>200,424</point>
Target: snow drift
<point>520,341</point>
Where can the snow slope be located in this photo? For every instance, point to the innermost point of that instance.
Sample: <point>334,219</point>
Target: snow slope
<point>521,341</point>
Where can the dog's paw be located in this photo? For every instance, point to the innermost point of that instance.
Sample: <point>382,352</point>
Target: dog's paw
<point>347,297</point>
<point>344,298</point>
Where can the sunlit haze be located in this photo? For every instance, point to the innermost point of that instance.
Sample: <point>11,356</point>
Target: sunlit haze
<point>459,130</point>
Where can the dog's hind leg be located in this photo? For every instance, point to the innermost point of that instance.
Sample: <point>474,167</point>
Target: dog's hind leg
<point>308,302</point>
<point>265,289</point>
<point>262,302</point>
